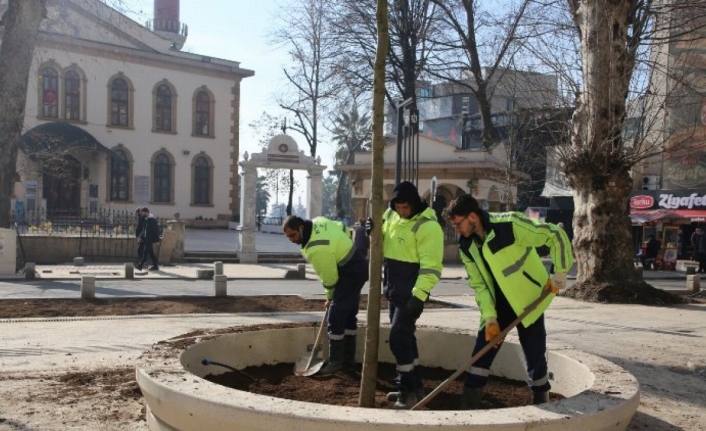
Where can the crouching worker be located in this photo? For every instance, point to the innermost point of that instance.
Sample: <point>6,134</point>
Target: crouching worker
<point>343,270</point>
<point>499,253</point>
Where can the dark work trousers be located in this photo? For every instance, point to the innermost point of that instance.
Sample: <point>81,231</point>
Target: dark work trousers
<point>400,279</point>
<point>533,340</point>
<point>140,252</point>
<point>343,311</point>
<point>148,252</point>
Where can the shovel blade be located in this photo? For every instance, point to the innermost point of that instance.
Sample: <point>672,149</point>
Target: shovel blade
<point>301,369</point>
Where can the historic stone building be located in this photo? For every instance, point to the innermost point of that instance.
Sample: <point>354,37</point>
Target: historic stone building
<point>117,116</point>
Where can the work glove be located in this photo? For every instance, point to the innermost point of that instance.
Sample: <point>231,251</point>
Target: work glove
<point>492,330</point>
<point>329,292</point>
<point>368,226</point>
<point>557,283</point>
<point>414,307</point>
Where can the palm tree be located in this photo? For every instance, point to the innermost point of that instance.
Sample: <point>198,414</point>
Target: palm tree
<point>262,195</point>
<point>352,132</point>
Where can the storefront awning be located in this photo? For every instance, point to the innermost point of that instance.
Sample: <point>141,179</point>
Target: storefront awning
<point>693,215</point>
<point>654,216</point>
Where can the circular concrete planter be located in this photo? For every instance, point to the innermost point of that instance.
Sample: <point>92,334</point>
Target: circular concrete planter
<point>600,394</point>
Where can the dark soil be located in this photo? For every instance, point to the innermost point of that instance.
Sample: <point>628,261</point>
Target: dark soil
<point>343,387</point>
<point>73,307</point>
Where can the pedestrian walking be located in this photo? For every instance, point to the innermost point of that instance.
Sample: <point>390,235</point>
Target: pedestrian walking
<point>499,253</point>
<point>150,236</point>
<point>343,271</point>
<point>695,244</point>
<point>139,228</point>
<point>413,249</point>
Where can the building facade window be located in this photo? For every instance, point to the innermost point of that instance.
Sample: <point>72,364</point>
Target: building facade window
<point>119,103</point>
<point>72,96</point>
<point>202,181</point>
<point>162,170</point>
<point>163,109</point>
<point>203,113</point>
<point>119,176</point>
<point>50,93</point>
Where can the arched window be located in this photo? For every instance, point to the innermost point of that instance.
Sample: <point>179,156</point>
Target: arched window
<point>72,96</point>
<point>50,93</point>
<point>162,179</point>
<point>202,120</point>
<point>163,108</point>
<point>119,176</point>
<point>119,103</point>
<point>202,181</point>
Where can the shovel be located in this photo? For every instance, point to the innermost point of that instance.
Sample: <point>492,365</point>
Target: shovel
<point>309,365</point>
<point>494,342</point>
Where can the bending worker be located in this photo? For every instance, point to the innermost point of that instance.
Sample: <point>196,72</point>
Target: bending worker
<point>413,249</point>
<point>499,253</point>
<point>343,271</point>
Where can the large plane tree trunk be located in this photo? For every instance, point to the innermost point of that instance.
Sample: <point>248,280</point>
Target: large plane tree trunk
<point>598,163</point>
<point>21,27</point>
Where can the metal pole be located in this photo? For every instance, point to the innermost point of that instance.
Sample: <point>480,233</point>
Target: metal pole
<point>400,141</point>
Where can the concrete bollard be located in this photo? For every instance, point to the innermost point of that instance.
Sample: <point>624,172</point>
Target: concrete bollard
<point>639,272</point>
<point>30,271</point>
<point>129,270</point>
<point>218,268</point>
<point>78,261</point>
<point>88,287</point>
<point>204,274</point>
<point>693,283</point>
<point>301,271</point>
<point>221,285</point>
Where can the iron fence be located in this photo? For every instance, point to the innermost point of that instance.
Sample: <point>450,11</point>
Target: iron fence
<point>101,234</point>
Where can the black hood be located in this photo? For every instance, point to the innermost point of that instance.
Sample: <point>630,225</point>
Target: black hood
<point>406,192</point>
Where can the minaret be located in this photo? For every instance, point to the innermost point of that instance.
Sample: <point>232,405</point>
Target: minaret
<point>166,22</point>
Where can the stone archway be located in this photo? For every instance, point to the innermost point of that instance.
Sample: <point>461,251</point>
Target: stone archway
<point>282,152</point>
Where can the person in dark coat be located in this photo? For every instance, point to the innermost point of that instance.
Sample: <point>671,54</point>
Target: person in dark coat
<point>150,235</point>
<point>361,239</point>
<point>651,250</point>
<point>139,227</point>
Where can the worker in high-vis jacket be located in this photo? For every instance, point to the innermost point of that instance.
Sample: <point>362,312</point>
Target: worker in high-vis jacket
<point>413,249</point>
<point>499,253</point>
<point>343,270</point>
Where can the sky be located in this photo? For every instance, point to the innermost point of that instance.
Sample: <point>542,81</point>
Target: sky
<point>239,30</point>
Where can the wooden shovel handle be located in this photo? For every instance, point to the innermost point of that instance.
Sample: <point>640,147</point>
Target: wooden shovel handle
<point>495,341</point>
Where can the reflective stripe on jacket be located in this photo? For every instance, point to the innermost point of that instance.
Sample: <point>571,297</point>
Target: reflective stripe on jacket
<point>510,251</point>
<point>415,240</point>
<point>329,248</point>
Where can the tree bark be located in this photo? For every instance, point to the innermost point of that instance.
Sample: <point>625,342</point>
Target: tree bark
<point>22,20</point>
<point>597,166</point>
<point>372,336</point>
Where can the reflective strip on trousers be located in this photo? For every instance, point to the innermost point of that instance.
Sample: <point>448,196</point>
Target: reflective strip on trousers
<point>483,372</point>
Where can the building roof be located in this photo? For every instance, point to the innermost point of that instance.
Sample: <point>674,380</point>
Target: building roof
<point>57,137</point>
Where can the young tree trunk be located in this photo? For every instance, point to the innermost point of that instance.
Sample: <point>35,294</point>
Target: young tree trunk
<point>22,19</point>
<point>372,335</point>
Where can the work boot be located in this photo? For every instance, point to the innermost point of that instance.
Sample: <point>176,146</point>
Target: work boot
<point>349,351</point>
<point>470,400</point>
<point>540,397</point>
<point>393,396</point>
<point>405,400</point>
<point>335,358</point>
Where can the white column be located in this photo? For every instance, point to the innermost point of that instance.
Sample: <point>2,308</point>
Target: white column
<point>248,228</point>
<point>314,201</point>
